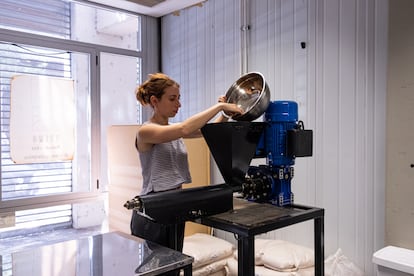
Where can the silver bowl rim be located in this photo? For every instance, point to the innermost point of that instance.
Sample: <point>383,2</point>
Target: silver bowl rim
<point>235,85</point>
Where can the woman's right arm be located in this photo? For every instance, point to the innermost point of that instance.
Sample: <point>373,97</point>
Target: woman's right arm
<point>156,134</point>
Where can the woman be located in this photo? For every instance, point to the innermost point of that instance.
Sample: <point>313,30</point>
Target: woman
<point>162,152</point>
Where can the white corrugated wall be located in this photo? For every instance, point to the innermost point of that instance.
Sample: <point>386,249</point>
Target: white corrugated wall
<point>338,80</point>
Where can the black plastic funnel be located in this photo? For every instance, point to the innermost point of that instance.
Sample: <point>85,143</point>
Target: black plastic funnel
<point>233,145</point>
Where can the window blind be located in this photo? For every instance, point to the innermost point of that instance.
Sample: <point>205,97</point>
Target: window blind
<point>48,17</point>
<point>51,18</point>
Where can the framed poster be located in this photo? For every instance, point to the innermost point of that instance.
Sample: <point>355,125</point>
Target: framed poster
<point>42,119</point>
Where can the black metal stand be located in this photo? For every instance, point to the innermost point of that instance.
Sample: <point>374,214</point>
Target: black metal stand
<point>249,219</point>
<point>188,269</point>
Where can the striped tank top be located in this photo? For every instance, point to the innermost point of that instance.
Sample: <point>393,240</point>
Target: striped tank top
<point>164,167</point>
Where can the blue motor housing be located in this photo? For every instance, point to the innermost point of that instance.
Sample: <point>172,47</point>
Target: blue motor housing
<point>281,116</point>
<point>282,141</point>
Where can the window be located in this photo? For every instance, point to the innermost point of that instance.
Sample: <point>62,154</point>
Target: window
<point>70,41</point>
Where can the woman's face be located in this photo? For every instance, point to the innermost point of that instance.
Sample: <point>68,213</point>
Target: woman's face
<point>170,102</point>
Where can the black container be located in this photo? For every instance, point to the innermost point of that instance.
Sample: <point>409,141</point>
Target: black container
<point>233,145</point>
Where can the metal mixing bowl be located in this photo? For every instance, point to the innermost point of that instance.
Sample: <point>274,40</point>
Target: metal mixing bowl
<point>251,93</point>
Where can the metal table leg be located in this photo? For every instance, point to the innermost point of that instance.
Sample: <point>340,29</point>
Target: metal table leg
<point>188,270</point>
<point>319,246</point>
<point>245,256</point>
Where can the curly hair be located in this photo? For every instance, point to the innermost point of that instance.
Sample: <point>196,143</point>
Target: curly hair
<point>155,85</point>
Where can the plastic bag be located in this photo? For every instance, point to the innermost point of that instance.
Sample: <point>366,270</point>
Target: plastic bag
<point>339,265</point>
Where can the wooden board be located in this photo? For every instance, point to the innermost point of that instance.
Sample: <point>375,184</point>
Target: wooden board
<point>125,180</point>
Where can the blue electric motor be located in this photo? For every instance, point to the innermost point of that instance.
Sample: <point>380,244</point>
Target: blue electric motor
<point>283,140</point>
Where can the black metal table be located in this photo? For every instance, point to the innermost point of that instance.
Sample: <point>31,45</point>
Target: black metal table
<point>113,253</point>
<point>248,219</point>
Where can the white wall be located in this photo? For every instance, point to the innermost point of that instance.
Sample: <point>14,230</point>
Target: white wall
<point>339,81</point>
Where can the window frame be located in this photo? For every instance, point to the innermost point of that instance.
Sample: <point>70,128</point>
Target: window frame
<point>94,51</point>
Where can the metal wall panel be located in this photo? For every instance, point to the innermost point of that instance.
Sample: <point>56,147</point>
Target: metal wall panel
<point>201,50</point>
<point>337,78</point>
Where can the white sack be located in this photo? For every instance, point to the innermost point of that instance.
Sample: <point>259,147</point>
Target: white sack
<point>211,268</point>
<point>206,249</point>
<point>232,268</point>
<point>286,256</point>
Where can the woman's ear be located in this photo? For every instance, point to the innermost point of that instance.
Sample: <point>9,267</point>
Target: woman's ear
<point>153,100</point>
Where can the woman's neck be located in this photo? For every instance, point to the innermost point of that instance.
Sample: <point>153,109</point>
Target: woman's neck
<point>159,120</point>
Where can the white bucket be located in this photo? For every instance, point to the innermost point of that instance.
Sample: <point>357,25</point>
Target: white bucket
<point>394,261</point>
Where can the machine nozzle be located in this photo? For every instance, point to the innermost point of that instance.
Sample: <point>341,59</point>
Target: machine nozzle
<point>134,203</point>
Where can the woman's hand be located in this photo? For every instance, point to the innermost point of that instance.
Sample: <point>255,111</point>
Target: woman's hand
<point>222,99</point>
<point>228,110</point>
<point>232,109</point>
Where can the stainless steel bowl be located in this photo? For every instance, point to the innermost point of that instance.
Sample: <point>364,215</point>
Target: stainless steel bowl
<point>251,93</point>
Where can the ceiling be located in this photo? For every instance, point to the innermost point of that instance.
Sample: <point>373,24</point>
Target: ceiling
<point>156,8</point>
